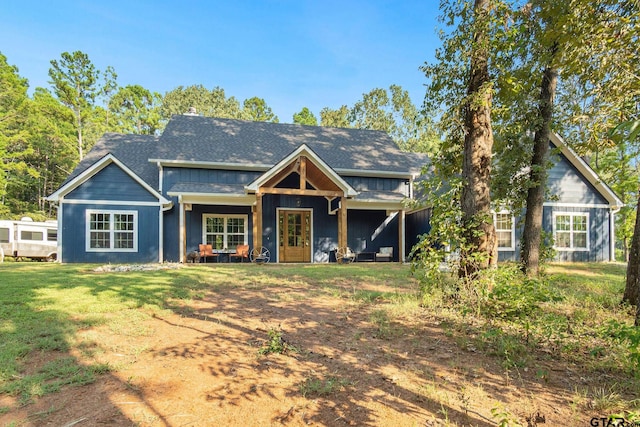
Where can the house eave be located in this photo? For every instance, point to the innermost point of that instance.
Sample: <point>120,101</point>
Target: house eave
<point>96,168</point>
<point>215,198</point>
<point>409,174</point>
<point>586,170</point>
<point>211,165</point>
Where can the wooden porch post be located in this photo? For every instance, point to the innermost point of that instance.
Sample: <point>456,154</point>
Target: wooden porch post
<point>342,223</point>
<point>257,222</point>
<point>303,173</point>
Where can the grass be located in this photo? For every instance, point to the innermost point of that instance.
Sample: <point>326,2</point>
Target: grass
<point>44,306</point>
<point>314,386</point>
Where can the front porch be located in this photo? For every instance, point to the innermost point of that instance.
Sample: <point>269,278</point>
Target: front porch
<point>300,211</point>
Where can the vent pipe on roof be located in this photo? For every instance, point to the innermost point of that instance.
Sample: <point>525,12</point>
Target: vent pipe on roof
<point>192,112</point>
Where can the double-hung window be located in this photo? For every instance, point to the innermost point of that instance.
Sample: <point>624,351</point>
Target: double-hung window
<point>505,230</point>
<point>571,231</point>
<point>112,231</point>
<point>225,231</point>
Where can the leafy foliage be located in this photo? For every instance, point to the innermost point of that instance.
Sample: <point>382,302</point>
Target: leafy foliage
<point>305,117</point>
<point>276,344</point>
<point>256,109</point>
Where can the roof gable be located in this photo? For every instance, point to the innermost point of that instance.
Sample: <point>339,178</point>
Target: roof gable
<point>96,168</point>
<point>587,172</point>
<point>314,171</point>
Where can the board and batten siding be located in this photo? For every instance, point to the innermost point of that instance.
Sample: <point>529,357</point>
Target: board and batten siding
<point>111,189</point>
<point>363,183</point>
<point>112,184</point>
<point>174,175</point>
<point>567,185</point>
<point>570,192</point>
<point>74,230</point>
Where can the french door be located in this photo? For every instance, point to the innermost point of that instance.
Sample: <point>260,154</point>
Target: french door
<point>294,236</point>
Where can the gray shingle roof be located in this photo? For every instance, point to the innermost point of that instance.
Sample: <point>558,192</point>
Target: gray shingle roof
<point>206,139</point>
<point>206,188</point>
<point>244,143</point>
<point>132,150</point>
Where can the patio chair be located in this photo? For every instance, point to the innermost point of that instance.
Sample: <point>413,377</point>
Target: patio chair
<point>206,251</point>
<point>345,255</point>
<point>385,254</point>
<point>242,252</point>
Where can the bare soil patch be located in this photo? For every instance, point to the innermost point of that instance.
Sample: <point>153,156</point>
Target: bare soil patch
<point>344,363</point>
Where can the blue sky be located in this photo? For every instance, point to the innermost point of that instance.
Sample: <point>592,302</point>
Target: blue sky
<point>293,54</point>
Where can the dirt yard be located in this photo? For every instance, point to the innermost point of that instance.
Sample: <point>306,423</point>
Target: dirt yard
<point>341,362</point>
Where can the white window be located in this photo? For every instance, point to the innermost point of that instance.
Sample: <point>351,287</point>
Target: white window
<point>224,231</point>
<point>112,231</point>
<point>505,230</point>
<point>570,231</point>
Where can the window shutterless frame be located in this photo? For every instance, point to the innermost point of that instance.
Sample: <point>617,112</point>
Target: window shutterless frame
<point>111,231</point>
<point>225,231</point>
<point>571,231</point>
<point>504,223</point>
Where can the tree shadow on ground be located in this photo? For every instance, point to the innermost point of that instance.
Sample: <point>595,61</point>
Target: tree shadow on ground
<point>348,362</point>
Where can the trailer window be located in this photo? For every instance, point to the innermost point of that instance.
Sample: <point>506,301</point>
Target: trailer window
<point>31,235</point>
<point>52,234</point>
<point>4,235</point>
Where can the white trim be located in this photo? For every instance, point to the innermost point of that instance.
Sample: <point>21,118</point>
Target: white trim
<point>577,205</point>
<point>586,171</point>
<point>373,204</point>
<point>181,231</point>
<point>216,198</point>
<point>348,190</point>
<point>93,170</point>
<point>107,202</point>
<point>160,235</point>
<point>211,165</point>
<point>59,249</point>
<point>375,173</point>
<point>225,243</point>
<point>112,231</point>
<point>513,229</point>
<point>160,177</point>
<point>612,234</point>
<point>571,231</point>
<point>403,232</point>
<point>310,210</point>
<point>264,167</point>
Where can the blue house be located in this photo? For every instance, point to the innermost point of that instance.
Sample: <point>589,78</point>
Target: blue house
<point>579,212</point>
<point>295,193</point>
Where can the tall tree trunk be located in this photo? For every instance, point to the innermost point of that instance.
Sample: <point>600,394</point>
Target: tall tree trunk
<point>632,286</point>
<point>78,113</point>
<point>480,248</point>
<point>532,235</point>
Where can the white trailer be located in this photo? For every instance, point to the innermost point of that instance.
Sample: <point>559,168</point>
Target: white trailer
<point>29,239</point>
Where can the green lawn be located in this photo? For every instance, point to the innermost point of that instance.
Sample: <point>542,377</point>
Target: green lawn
<point>576,316</point>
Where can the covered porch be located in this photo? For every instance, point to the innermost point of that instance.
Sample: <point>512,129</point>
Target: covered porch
<point>300,210</point>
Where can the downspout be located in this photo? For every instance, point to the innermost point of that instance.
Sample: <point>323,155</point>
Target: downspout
<point>163,209</point>
<point>181,230</point>
<point>612,234</point>
<point>403,233</point>
<point>59,235</point>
